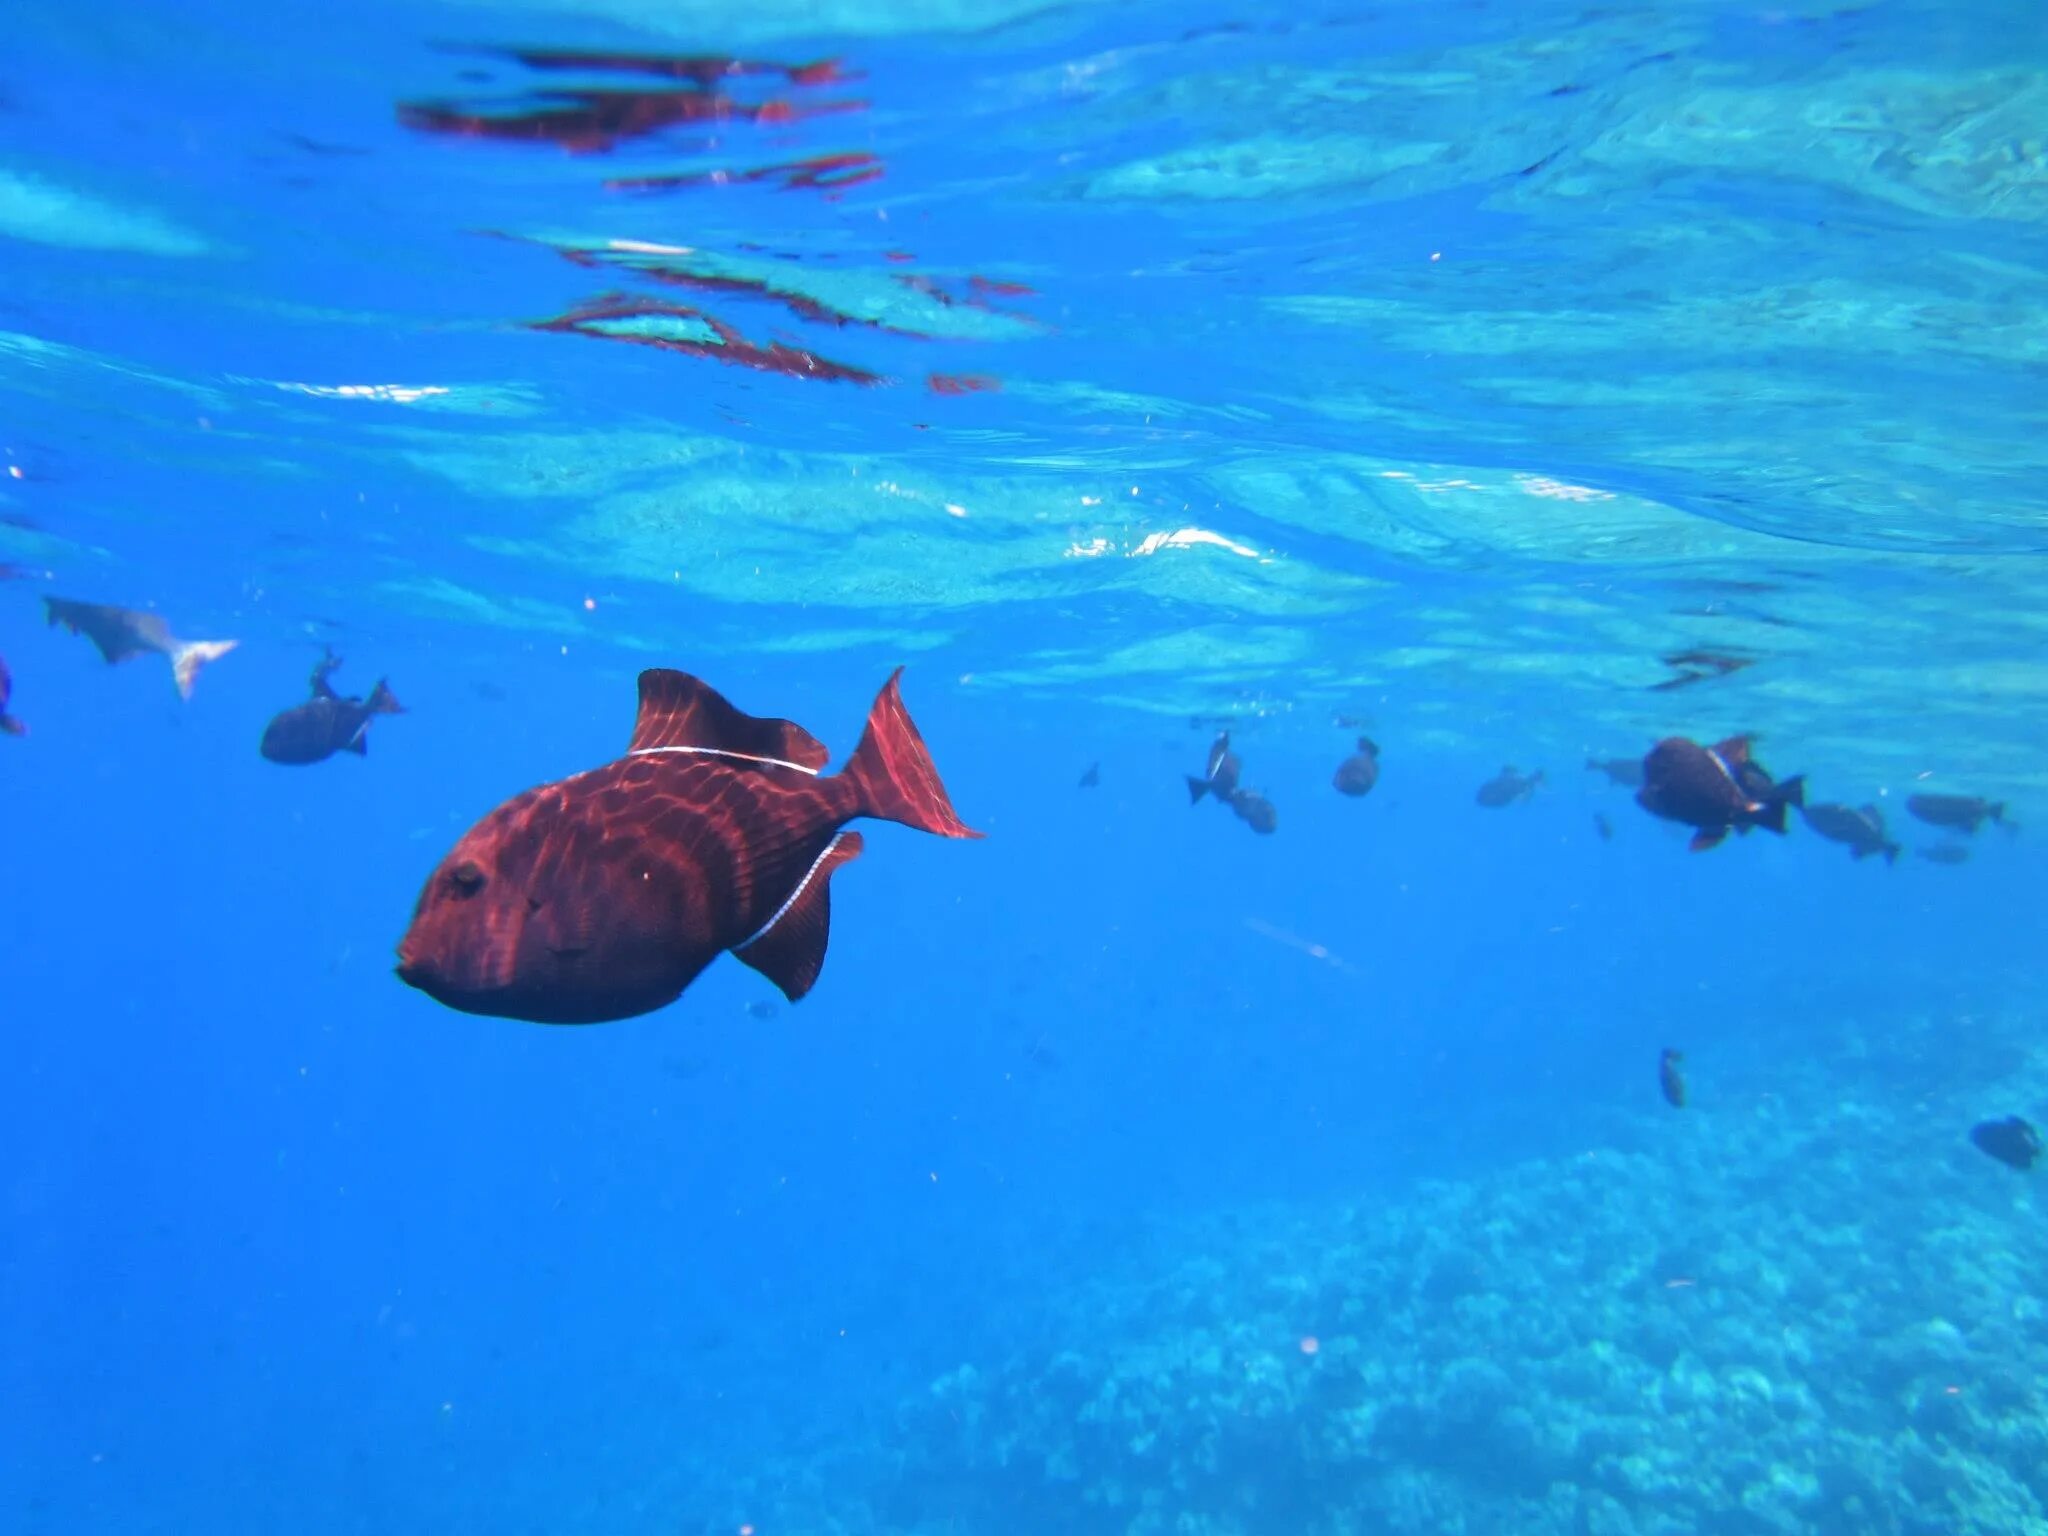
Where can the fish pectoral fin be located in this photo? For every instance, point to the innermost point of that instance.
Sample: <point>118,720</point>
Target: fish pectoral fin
<point>1702,841</point>
<point>790,948</point>
<point>359,743</point>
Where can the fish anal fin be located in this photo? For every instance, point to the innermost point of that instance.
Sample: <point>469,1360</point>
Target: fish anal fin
<point>1702,841</point>
<point>678,710</point>
<point>790,949</point>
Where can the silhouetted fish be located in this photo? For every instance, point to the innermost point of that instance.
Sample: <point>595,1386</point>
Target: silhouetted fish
<point>1962,813</point>
<point>8,724</point>
<point>1671,1077</point>
<point>326,723</point>
<point>1625,771</point>
<point>1862,829</point>
<point>604,895</point>
<point>1357,774</point>
<point>1714,790</point>
<point>1508,786</point>
<point>1092,777</point>
<point>1254,810</point>
<point>1947,853</point>
<point>1604,827</point>
<point>122,632</point>
<point>2011,1140</point>
<point>1223,769</point>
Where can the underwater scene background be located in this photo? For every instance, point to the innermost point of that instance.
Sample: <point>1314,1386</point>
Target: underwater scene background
<point>1504,383</point>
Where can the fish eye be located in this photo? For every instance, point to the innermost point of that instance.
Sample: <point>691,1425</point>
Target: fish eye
<point>467,878</point>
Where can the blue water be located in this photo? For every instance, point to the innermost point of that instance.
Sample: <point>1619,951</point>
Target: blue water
<point>1440,370</point>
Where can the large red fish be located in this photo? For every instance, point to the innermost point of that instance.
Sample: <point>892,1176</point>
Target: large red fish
<point>1715,790</point>
<point>604,895</point>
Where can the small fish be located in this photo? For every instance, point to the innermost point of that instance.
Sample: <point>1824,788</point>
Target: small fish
<point>1603,826</point>
<point>1357,774</point>
<point>2011,1140</point>
<point>1508,786</point>
<point>1254,810</point>
<point>1671,1077</point>
<point>120,633</point>
<point>1092,777</point>
<point>1625,771</point>
<point>1222,771</point>
<point>1946,853</point>
<point>1714,789</point>
<point>1963,813</point>
<point>9,726</point>
<point>604,895</point>
<point>761,1008</point>
<point>326,723</point>
<point>1862,829</point>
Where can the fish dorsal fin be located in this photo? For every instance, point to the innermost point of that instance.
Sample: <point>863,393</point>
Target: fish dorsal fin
<point>1734,751</point>
<point>790,948</point>
<point>680,713</point>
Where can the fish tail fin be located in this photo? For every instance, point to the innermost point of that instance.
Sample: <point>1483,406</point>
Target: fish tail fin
<point>1771,817</point>
<point>383,701</point>
<point>1786,792</point>
<point>1196,789</point>
<point>891,771</point>
<point>188,656</point>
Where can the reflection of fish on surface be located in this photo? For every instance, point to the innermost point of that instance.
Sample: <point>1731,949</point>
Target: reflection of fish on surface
<point>8,724</point>
<point>122,633</point>
<point>326,723</point>
<point>1357,774</point>
<point>2012,1141</point>
<point>1861,828</point>
<point>1221,772</point>
<point>604,895</point>
<point>1507,787</point>
<point>1959,813</point>
<point>1624,771</point>
<point>1671,1077</point>
<point>1715,789</point>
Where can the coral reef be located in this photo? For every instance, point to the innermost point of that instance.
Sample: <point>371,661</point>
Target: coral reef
<point>1811,1309</point>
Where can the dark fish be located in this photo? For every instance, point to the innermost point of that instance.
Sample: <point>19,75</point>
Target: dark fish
<point>326,723</point>
<point>1964,813</point>
<point>1603,826</point>
<point>1508,786</point>
<point>1223,769</point>
<point>1862,830</point>
<point>121,633</point>
<point>1947,853</point>
<point>1357,774</point>
<point>8,724</point>
<point>604,895</point>
<point>1714,789</point>
<point>1625,771</point>
<point>1254,810</point>
<point>2011,1140</point>
<point>1092,777</point>
<point>1671,1077</point>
